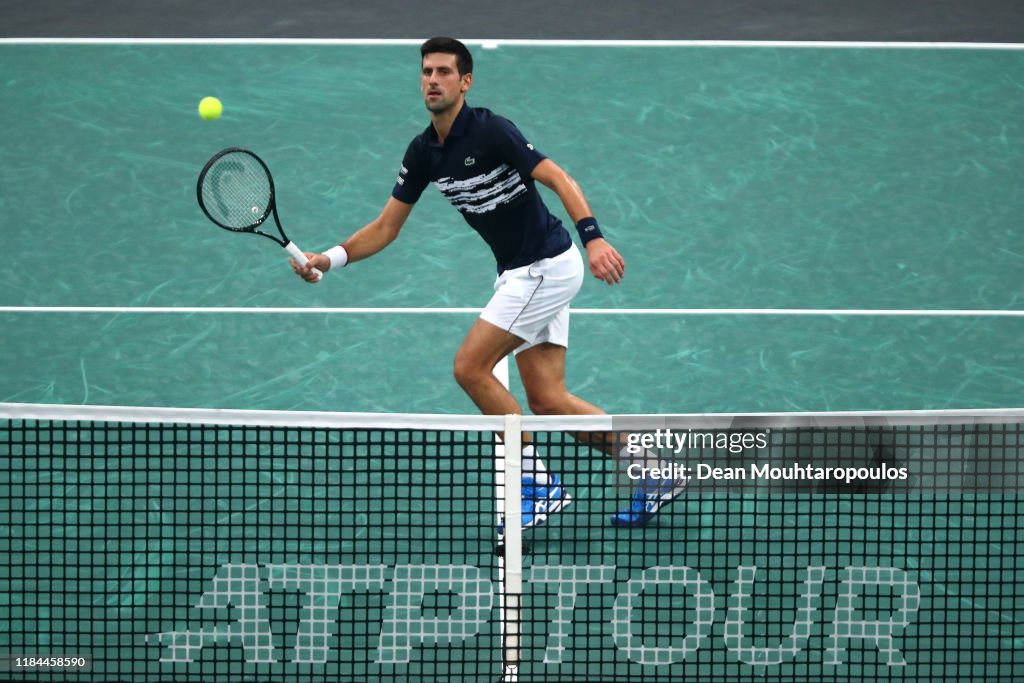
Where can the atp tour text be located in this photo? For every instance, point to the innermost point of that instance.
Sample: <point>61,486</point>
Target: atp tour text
<point>236,610</point>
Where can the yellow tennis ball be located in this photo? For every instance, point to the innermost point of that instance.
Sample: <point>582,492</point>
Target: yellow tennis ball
<point>210,108</point>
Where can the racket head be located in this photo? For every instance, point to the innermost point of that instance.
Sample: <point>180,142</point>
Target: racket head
<point>236,191</point>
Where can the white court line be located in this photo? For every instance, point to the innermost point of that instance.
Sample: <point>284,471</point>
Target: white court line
<point>523,42</point>
<point>253,310</point>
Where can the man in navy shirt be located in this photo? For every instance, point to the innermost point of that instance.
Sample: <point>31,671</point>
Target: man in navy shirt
<point>488,171</point>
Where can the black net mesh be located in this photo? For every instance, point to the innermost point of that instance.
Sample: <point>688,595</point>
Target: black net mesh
<point>228,553</point>
<point>868,553</point>
<point>201,553</point>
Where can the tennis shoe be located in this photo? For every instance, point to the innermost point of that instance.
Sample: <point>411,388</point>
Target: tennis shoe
<point>650,496</point>
<point>540,501</point>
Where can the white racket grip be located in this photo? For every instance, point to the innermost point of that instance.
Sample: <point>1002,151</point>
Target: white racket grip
<point>301,259</point>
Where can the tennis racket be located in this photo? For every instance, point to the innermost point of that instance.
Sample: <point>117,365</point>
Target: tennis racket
<point>236,192</point>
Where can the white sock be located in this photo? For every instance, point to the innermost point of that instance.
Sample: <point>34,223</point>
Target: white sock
<point>532,466</point>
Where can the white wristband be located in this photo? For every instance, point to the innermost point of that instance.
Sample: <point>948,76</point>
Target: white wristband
<point>338,256</point>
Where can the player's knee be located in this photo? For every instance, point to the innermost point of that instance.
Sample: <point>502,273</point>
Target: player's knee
<point>547,402</point>
<point>467,373</point>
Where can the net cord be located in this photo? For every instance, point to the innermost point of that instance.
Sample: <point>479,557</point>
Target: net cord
<point>496,423</point>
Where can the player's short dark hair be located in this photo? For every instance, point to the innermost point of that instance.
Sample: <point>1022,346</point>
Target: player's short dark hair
<point>463,60</point>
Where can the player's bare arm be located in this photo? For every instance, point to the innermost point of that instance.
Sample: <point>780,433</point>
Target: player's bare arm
<point>365,242</point>
<point>604,261</point>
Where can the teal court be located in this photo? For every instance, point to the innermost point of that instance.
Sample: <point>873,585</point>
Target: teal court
<point>777,207</point>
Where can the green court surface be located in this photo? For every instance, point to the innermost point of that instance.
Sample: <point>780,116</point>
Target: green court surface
<point>728,177</point>
<point>849,181</point>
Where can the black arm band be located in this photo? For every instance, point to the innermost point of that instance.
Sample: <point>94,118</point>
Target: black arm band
<point>588,230</point>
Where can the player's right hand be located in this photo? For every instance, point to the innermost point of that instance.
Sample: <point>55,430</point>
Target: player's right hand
<point>318,261</point>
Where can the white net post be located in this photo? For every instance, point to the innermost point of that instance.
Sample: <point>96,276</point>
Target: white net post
<point>501,373</point>
<point>508,470</point>
<point>512,579</point>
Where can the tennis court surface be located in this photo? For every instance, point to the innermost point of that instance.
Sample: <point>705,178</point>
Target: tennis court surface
<point>806,230</point>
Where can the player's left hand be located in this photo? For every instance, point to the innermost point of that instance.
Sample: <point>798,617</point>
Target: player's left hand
<point>605,263</point>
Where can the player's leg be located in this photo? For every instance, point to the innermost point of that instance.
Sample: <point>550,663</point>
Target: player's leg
<point>524,302</point>
<point>484,346</point>
<point>481,350</point>
<point>542,369</point>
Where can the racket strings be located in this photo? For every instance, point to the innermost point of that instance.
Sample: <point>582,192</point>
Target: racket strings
<point>236,191</point>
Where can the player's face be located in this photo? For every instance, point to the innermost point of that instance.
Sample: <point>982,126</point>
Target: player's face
<point>440,82</point>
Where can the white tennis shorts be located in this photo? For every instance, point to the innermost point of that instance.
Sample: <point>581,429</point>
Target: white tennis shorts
<point>532,302</point>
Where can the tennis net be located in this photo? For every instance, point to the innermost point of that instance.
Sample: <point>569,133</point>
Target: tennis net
<point>153,545</point>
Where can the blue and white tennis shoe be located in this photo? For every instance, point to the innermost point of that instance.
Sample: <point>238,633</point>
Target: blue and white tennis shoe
<point>646,499</point>
<point>542,500</point>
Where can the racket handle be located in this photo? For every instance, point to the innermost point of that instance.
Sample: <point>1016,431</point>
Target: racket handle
<point>300,258</point>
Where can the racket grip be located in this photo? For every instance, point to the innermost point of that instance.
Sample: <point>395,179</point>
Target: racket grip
<point>300,258</point>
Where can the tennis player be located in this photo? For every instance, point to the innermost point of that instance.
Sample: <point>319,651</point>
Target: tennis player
<point>488,171</point>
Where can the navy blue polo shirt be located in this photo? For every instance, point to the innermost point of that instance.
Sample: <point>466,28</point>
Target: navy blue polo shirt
<point>483,168</point>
